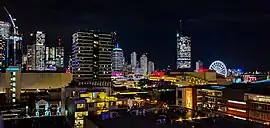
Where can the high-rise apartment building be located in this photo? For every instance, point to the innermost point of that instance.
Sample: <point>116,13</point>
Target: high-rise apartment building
<point>2,52</point>
<point>143,64</point>
<point>69,62</point>
<point>183,50</point>
<point>59,61</point>
<point>11,45</point>
<point>50,58</point>
<point>117,59</point>
<point>91,57</point>
<point>4,36</point>
<point>30,57</point>
<point>151,67</point>
<point>38,51</point>
<point>4,29</point>
<point>133,61</point>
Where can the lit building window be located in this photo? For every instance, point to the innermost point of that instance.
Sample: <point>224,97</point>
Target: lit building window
<point>13,89</point>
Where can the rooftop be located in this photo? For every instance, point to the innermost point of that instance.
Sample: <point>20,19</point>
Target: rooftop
<point>151,122</point>
<point>255,88</point>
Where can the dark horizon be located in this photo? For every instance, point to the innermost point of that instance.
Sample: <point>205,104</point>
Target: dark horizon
<point>233,32</point>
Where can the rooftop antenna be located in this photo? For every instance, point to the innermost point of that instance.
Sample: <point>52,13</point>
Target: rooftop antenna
<point>181,27</point>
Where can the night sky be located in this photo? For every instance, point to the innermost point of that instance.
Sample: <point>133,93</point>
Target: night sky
<point>235,32</point>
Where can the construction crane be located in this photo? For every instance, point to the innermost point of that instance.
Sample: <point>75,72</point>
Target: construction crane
<point>14,37</point>
<point>15,28</point>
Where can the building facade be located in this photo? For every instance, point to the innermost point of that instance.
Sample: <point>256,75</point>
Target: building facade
<point>36,53</point>
<point>143,64</point>
<point>91,57</point>
<point>4,36</point>
<point>133,61</point>
<point>2,52</point>
<point>50,58</point>
<point>117,59</point>
<point>151,67</point>
<point>183,50</point>
<point>59,55</point>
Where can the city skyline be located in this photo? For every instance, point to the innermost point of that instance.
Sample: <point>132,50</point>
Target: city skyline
<point>205,30</point>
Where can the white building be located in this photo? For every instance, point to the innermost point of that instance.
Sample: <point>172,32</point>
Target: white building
<point>39,51</point>
<point>151,67</point>
<point>118,60</point>
<point>199,65</point>
<point>143,64</point>
<point>133,61</point>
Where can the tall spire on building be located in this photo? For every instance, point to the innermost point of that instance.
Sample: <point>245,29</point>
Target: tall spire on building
<point>181,27</point>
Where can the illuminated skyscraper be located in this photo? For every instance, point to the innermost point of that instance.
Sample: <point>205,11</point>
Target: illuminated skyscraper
<point>30,57</point>
<point>12,44</point>
<point>14,56</point>
<point>59,55</point>
<point>70,62</point>
<point>91,57</point>
<point>117,59</point>
<point>4,29</point>
<point>143,64</point>
<point>36,53</point>
<point>4,36</point>
<point>133,61</point>
<point>183,50</point>
<point>2,52</point>
<point>40,51</point>
<point>4,39</point>
<point>151,67</point>
<point>50,58</point>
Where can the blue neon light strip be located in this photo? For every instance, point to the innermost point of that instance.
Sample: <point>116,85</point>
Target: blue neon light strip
<point>13,69</point>
<point>262,81</point>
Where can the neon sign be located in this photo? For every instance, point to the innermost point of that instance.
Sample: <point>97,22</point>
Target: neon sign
<point>13,69</point>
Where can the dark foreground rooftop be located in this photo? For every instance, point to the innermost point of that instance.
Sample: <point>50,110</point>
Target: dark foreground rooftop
<point>42,122</point>
<point>149,122</point>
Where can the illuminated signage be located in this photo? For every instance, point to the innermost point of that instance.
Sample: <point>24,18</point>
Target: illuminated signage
<point>13,69</point>
<point>159,73</point>
<point>203,70</point>
<point>252,79</point>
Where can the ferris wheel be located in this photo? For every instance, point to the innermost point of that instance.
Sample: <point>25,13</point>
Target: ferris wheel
<point>219,67</point>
